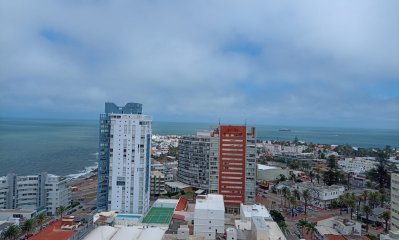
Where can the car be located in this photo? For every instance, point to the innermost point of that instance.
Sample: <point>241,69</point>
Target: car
<point>80,207</point>
<point>93,208</point>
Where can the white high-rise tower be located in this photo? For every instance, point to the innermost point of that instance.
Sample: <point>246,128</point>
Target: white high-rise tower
<point>124,159</point>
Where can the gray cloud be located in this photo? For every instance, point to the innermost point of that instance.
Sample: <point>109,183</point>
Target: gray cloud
<point>306,62</point>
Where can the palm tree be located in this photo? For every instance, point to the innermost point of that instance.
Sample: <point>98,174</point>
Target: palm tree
<point>293,200</point>
<point>301,224</point>
<point>61,210</point>
<point>318,178</point>
<point>311,176</point>
<point>367,211</point>
<point>28,226</point>
<point>286,194</point>
<point>311,228</point>
<point>341,202</point>
<point>383,198</point>
<point>359,200</point>
<point>12,232</point>
<point>297,194</point>
<point>373,199</point>
<point>386,216</point>
<point>40,218</point>
<point>306,197</point>
<point>365,196</point>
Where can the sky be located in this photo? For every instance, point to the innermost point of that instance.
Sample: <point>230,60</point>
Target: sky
<point>310,63</point>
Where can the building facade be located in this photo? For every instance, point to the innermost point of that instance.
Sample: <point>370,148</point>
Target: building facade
<point>395,202</point>
<point>124,159</point>
<point>157,183</point>
<point>233,165</point>
<point>193,164</point>
<point>34,191</point>
<point>209,216</point>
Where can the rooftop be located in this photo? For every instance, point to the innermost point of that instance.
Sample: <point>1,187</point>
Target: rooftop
<point>53,231</point>
<point>254,210</point>
<point>158,215</point>
<point>182,205</point>
<point>267,167</point>
<point>210,201</point>
<point>177,185</point>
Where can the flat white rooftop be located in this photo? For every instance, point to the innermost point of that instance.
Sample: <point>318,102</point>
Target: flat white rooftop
<point>256,210</point>
<point>210,201</point>
<point>266,167</point>
<point>176,184</point>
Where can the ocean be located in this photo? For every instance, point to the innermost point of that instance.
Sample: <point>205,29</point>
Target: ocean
<point>69,147</point>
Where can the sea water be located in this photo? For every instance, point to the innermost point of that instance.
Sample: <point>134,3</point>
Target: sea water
<point>69,147</point>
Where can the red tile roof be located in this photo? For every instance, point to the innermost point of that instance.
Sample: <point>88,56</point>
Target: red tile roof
<point>182,204</point>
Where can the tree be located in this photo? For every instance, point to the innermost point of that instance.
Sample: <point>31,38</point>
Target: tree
<point>293,201</point>
<point>365,196</point>
<point>380,173</point>
<point>12,232</point>
<point>61,210</point>
<point>386,216</point>
<point>341,202</point>
<point>373,199</point>
<point>297,194</point>
<point>281,178</point>
<point>311,176</point>
<point>318,178</point>
<point>349,200</point>
<point>283,226</point>
<point>40,218</point>
<point>307,196</point>
<point>367,211</point>
<point>311,228</point>
<point>332,162</point>
<point>286,194</point>
<point>28,226</point>
<point>301,224</point>
<point>383,197</point>
<point>277,216</point>
<point>359,200</point>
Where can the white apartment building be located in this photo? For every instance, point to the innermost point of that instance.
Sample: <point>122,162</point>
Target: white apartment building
<point>395,202</point>
<point>356,165</point>
<point>3,192</point>
<point>33,192</point>
<point>58,193</point>
<point>124,159</point>
<point>255,210</point>
<point>129,186</point>
<point>157,183</point>
<point>209,216</point>
<point>321,194</point>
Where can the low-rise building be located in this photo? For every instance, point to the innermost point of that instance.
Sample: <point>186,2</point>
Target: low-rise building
<point>34,191</point>
<point>338,226</point>
<point>255,210</point>
<point>356,165</point>
<point>176,186</point>
<point>10,214</point>
<point>209,216</point>
<point>157,183</point>
<point>321,194</point>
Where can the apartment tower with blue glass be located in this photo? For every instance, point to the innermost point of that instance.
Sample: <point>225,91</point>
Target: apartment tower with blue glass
<point>124,159</point>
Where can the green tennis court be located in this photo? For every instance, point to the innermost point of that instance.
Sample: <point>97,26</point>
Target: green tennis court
<point>159,215</point>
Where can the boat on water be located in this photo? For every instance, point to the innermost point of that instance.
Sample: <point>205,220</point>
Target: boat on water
<point>285,130</point>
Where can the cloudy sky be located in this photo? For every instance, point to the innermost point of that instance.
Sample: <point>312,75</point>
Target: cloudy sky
<point>321,63</point>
